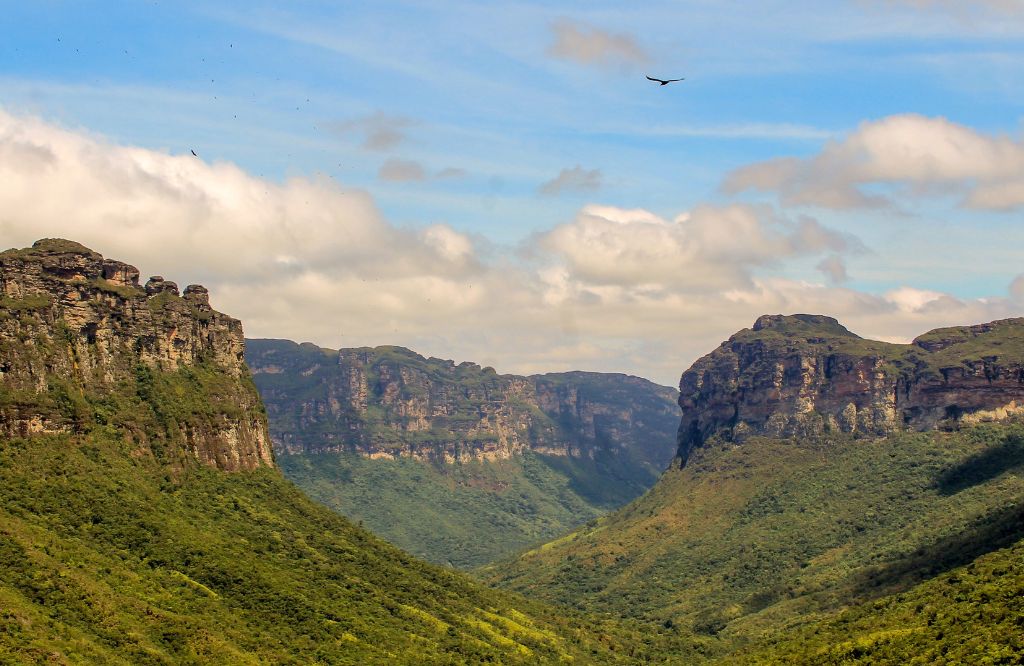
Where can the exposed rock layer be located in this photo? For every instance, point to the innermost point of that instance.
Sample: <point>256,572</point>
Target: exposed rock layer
<point>807,374</point>
<point>77,329</point>
<point>391,402</point>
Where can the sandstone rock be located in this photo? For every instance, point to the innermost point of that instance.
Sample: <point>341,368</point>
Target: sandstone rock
<point>806,374</point>
<point>70,316</point>
<point>389,402</point>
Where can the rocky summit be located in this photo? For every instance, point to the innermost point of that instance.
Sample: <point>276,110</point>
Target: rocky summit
<point>804,375</point>
<point>78,333</point>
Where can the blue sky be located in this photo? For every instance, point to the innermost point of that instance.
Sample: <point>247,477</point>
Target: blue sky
<point>504,121</point>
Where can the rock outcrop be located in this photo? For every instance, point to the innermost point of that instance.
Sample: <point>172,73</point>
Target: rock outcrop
<point>390,402</point>
<point>802,375</point>
<point>82,344</point>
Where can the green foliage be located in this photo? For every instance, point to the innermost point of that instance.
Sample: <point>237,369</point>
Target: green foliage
<point>464,515</point>
<point>971,615</point>
<point>107,559</point>
<point>26,304</point>
<point>754,539</point>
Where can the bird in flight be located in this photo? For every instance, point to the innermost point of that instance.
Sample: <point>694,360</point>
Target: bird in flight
<point>664,82</point>
<point>194,153</point>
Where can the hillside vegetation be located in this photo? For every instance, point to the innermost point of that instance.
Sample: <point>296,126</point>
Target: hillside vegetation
<point>143,521</point>
<point>755,540</point>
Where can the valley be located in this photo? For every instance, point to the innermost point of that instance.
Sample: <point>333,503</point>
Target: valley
<point>455,463</point>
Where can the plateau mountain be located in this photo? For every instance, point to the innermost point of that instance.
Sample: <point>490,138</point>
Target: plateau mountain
<point>455,462</point>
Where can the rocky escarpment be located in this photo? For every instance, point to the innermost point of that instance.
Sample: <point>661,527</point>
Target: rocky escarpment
<point>807,374</point>
<point>390,402</point>
<point>84,346</point>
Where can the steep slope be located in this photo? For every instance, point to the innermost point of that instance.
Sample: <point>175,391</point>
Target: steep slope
<point>780,517</point>
<point>142,520</point>
<point>455,462</point>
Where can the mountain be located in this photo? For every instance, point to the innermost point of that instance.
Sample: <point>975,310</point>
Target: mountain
<point>457,463</point>
<point>828,489</point>
<point>807,375</point>
<point>143,521</point>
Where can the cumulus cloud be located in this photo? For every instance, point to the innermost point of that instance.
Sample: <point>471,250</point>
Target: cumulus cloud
<point>909,153</point>
<point>308,259</point>
<point>576,179</point>
<point>380,131</point>
<point>707,248</point>
<point>587,45</point>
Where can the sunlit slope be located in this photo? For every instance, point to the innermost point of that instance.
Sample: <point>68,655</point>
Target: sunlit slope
<point>106,559</point>
<point>772,533</point>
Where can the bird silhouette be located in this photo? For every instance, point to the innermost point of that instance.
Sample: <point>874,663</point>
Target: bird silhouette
<point>194,153</point>
<point>664,82</point>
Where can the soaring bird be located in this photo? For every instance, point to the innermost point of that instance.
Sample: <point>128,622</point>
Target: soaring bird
<point>665,82</point>
<point>194,153</point>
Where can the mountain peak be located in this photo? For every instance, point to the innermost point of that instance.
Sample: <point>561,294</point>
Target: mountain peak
<point>800,323</point>
<point>803,375</point>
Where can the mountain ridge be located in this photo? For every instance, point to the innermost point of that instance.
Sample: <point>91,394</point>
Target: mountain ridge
<point>808,375</point>
<point>455,462</point>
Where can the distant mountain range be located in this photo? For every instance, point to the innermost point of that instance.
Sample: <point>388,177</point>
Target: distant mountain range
<point>457,463</point>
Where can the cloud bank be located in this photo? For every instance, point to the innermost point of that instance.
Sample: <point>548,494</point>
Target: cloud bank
<point>611,289</point>
<point>910,154</point>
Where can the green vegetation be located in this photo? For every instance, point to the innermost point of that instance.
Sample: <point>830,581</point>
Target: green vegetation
<point>971,615</point>
<point>464,515</point>
<point>106,558</point>
<point>754,540</point>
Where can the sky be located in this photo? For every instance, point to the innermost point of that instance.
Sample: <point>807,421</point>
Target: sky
<point>498,181</point>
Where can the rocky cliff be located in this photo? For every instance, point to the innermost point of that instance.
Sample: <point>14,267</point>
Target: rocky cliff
<point>390,402</point>
<point>806,374</point>
<point>84,346</point>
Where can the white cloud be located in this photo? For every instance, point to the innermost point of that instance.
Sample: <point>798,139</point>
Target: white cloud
<point>708,248</point>
<point>576,179</point>
<point>912,153</point>
<point>592,46</point>
<point>613,289</point>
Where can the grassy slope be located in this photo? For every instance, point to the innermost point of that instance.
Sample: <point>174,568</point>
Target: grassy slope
<point>464,514</point>
<point>766,536</point>
<point>106,559</point>
<point>971,615</point>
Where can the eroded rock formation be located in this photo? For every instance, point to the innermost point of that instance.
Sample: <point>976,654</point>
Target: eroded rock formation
<point>806,374</point>
<point>390,402</point>
<point>77,331</point>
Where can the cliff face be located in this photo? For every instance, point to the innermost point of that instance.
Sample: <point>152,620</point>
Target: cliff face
<point>390,402</point>
<point>83,345</point>
<point>806,374</point>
